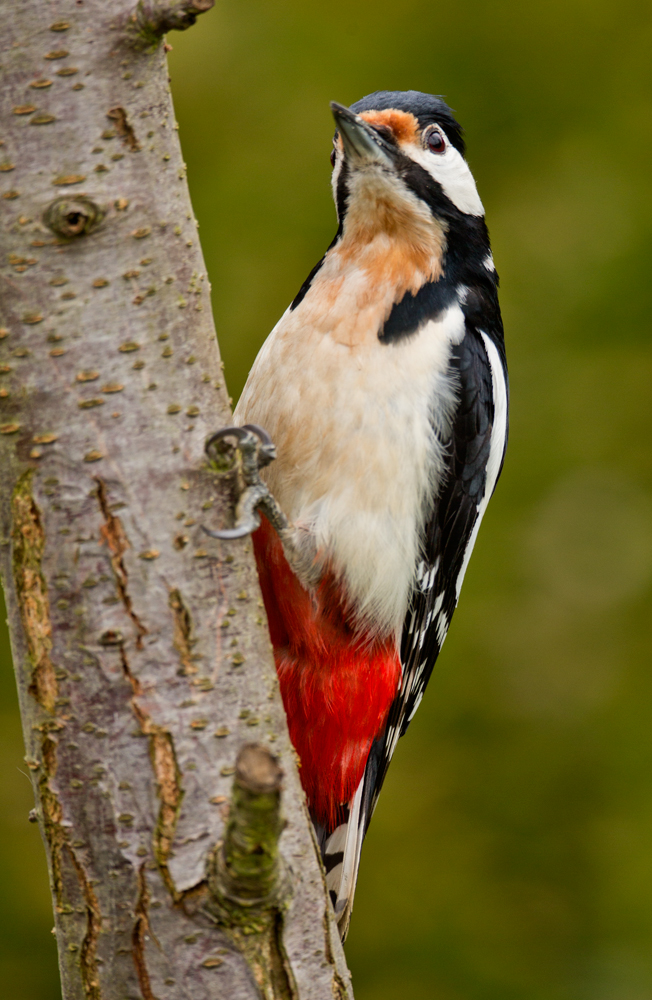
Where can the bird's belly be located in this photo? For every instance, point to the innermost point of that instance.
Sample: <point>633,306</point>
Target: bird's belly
<point>360,436</point>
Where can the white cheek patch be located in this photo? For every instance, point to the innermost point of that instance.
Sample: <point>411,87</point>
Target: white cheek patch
<point>451,170</point>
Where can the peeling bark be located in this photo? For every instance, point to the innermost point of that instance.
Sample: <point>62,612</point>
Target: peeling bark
<point>28,544</point>
<point>142,658</point>
<point>141,929</point>
<point>113,534</point>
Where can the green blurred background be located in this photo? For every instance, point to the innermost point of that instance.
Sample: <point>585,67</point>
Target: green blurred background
<point>510,857</point>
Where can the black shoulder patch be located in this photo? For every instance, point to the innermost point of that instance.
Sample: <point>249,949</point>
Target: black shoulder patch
<point>413,311</point>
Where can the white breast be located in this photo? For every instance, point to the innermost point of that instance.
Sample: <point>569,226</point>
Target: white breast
<point>359,461</point>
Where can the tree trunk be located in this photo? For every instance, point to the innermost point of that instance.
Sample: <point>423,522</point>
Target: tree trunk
<point>141,650</point>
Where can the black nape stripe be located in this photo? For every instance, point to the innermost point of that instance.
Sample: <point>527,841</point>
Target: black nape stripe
<point>413,311</point>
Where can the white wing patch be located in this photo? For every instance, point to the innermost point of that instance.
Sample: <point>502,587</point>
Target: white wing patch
<point>496,448</point>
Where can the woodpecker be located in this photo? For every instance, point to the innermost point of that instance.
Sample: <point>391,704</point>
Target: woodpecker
<point>384,389</point>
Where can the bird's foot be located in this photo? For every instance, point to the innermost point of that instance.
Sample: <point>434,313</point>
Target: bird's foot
<point>256,450</point>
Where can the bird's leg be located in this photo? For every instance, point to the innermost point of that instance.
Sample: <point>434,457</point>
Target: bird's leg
<point>257,450</point>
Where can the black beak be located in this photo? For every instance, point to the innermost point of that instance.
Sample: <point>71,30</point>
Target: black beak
<point>362,143</point>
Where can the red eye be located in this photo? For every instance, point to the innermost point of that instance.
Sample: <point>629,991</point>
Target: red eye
<point>332,158</point>
<point>436,142</point>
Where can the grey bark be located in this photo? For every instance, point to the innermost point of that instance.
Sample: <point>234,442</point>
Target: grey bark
<point>141,650</point>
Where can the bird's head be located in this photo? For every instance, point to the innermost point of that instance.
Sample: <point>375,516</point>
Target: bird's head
<point>408,210</point>
<point>398,153</point>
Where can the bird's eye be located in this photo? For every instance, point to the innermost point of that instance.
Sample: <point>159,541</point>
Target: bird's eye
<point>436,142</point>
<point>332,157</point>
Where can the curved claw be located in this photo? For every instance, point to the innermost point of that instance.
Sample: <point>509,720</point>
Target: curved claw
<point>237,432</point>
<point>238,532</point>
<point>256,451</point>
<point>266,450</point>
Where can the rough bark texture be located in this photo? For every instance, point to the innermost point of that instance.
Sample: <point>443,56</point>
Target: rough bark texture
<point>141,650</point>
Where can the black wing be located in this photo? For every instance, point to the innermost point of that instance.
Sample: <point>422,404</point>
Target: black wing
<point>447,536</point>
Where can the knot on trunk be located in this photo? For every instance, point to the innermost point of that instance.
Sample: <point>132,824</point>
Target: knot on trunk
<point>72,217</point>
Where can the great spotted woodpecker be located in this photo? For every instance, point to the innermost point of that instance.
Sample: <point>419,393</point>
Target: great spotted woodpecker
<point>384,389</point>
